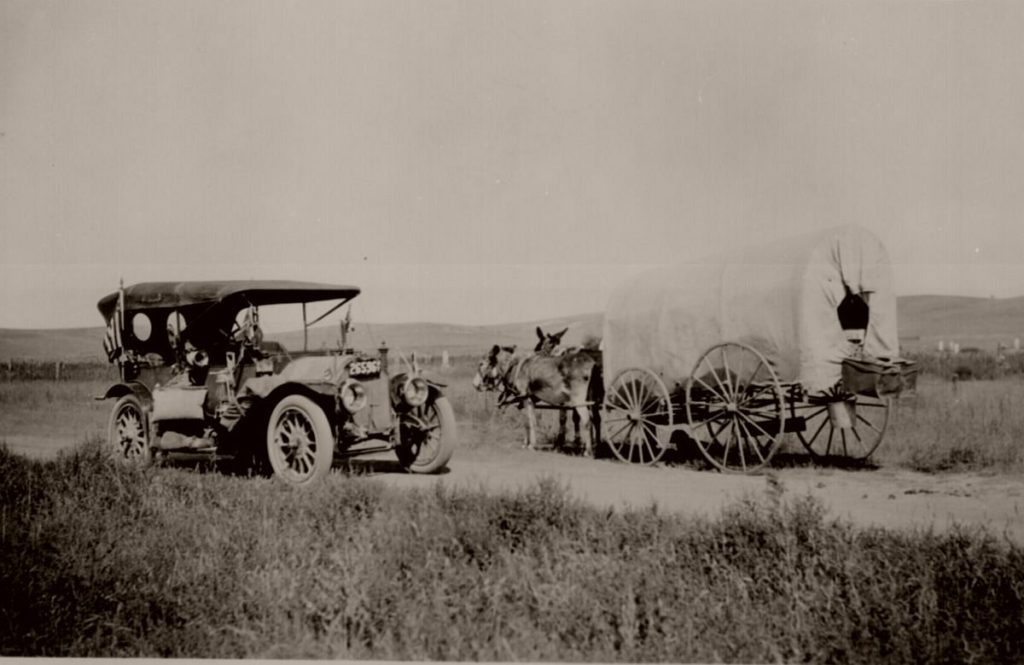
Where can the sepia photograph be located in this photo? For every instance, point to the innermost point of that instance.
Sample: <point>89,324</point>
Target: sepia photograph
<point>603,331</point>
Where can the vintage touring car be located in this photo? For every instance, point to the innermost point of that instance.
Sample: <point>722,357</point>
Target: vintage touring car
<point>197,376</point>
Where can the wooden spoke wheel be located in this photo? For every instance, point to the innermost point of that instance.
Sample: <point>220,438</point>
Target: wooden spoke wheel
<point>128,433</point>
<point>851,428</point>
<point>736,407</point>
<point>300,442</point>
<point>636,404</point>
<point>427,437</point>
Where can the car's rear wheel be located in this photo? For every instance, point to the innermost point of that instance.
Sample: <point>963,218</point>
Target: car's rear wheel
<point>427,437</point>
<point>128,433</point>
<point>300,443</point>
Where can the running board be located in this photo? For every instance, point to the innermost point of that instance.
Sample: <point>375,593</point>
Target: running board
<point>356,452</point>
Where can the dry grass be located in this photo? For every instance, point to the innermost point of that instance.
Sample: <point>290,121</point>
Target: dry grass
<point>63,410</point>
<point>101,561</point>
<point>966,426</point>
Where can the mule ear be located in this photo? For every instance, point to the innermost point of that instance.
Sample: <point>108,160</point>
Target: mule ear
<point>495,350</point>
<point>559,335</point>
<point>540,333</point>
<point>509,349</point>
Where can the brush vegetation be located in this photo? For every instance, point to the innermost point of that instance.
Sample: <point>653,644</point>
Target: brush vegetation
<point>98,560</point>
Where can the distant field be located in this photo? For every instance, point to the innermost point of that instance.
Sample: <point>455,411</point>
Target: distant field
<point>923,322</point>
<point>77,344</point>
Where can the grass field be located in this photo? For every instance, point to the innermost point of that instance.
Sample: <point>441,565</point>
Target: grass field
<point>102,561</point>
<point>969,425</point>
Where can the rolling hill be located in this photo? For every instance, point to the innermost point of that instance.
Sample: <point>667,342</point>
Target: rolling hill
<point>978,322</point>
<point>923,321</point>
<point>81,344</point>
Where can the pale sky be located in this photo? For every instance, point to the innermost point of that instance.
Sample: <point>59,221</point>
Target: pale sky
<point>487,162</point>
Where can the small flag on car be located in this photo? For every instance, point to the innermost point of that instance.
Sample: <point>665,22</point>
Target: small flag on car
<point>112,343</point>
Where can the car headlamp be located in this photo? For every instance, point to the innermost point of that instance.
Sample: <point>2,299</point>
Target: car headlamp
<point>353,395</point>
<point>415,391</point>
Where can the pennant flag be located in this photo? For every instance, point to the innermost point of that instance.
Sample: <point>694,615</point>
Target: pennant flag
<point>112,341</point>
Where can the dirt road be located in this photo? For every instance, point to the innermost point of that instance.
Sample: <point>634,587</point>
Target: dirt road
<point>883,497</point>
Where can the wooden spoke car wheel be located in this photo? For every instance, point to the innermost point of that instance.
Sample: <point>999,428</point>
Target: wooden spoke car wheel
<point>736,407</point>
<point>128,432</point>
<point>300,442</point>
<point>636,404</point>
<point>427,437</point>
<point>852,428</point>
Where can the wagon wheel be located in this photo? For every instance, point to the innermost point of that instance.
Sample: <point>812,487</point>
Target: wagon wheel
<point>854,430</point>
<point>736,407</point>
<point>636,404</point>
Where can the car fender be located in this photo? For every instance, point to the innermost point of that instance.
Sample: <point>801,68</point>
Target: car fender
<point>435,391</point>
<point>322,394</point>
<point>436,386</point>
<point>121,389</point>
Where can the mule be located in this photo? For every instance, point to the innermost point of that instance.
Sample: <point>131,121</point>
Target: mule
<point>568,379</point>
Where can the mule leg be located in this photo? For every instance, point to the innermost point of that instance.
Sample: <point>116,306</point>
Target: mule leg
<point>561,429</point>
<point>531,426</point>
<point>581,415</point>
<point>576,427</point>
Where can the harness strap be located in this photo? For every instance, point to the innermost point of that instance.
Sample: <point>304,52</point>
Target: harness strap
<point>509,392</point>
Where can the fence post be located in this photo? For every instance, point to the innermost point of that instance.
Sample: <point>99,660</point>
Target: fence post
<point>56,372</point>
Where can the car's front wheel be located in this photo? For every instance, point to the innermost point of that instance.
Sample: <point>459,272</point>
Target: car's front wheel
<point>427,437</point>
<point>128,433</point>
<point>300,443</point>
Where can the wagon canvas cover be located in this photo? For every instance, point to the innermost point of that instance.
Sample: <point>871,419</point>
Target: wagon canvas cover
<point>780,298</point>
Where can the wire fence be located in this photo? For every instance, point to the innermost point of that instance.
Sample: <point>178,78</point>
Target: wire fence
<point>983,365</point>
<point>13,370</point>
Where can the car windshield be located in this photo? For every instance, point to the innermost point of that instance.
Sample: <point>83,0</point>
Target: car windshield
<point>283,324</point>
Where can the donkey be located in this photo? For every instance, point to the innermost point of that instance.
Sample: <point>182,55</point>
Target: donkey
<point>548,344</point>
<point>567,379</point>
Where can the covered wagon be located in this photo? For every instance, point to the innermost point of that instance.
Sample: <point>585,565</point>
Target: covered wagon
<point>736,351</point>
